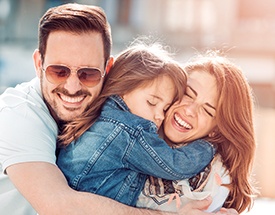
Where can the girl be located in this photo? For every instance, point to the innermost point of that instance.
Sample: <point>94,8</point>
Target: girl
<point>120,145</point>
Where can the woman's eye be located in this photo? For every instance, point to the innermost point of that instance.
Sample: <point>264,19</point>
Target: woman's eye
<point>166,109</point>
<point>188,95</point>
<point>208,112</point>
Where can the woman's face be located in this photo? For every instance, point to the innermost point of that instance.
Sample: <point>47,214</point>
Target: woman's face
<point>195,116</point>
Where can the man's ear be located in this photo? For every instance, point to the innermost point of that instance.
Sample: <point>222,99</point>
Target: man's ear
<point>37,62</point>
<point>110,63</point>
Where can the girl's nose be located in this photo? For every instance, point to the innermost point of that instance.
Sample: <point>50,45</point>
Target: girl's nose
<point>159,117</point>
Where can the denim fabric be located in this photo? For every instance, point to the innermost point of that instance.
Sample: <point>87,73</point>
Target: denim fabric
<point>113,157</point>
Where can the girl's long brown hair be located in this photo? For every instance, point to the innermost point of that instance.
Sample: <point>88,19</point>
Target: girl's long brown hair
<point>135,67</point>
<point>234,133</point>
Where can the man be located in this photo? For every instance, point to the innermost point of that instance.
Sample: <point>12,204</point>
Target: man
<point>72,59</point>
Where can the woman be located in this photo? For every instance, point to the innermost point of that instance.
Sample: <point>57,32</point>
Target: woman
<point>218,105</point>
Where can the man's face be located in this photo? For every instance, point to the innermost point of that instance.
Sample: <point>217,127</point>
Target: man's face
<point>69,99</point>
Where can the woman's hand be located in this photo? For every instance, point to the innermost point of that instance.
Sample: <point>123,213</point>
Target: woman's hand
<point>229,211</point>
<point>198,207</point>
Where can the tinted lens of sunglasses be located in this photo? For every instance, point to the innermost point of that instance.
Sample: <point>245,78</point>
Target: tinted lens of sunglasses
<point>89,76</point>
<point>58,74</point>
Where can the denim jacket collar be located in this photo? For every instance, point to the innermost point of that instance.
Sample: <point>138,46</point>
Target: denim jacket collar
<point>120,102</point>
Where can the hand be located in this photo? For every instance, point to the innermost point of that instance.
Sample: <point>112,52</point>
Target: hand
<point>229,211</point>
<point>196,207</point>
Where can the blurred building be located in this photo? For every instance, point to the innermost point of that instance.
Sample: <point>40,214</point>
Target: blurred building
<point>244,29</point>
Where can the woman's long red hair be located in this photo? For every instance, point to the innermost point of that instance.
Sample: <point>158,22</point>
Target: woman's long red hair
<point>234,133</point>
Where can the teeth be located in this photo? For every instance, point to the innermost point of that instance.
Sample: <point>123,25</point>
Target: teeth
<point>71,99</point>
<point>181,122</point>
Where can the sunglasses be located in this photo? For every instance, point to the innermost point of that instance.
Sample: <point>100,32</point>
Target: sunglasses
<point>58,74</point>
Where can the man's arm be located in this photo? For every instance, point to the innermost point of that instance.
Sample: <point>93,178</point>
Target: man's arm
<point>45,187</point>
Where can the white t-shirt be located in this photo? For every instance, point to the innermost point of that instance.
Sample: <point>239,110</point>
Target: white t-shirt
<point>27,134</point>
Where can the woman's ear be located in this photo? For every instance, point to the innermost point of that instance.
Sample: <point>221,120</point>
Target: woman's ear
<point>110,63</point>
<point>37,62</point>
<point>212,134</point>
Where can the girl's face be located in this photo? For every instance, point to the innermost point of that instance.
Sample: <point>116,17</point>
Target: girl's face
<point>195,116</point>
<point>152,101</point>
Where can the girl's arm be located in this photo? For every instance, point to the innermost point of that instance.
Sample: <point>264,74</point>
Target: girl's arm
<point>152,156</point>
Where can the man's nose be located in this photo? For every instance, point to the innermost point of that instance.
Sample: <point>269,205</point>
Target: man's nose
<point>73,84</point>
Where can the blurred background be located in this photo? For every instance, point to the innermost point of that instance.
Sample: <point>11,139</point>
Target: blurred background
<point>244,29</point>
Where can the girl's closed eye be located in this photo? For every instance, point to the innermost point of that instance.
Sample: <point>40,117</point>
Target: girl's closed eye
<point>153,100</point>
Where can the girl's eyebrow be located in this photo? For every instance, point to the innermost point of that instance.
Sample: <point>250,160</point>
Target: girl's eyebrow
<point>196,94</point>
<point>157,97</point>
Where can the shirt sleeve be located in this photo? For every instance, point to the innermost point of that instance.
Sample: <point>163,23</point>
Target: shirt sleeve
<point>221,194</point>
<point>159,160</point>
<point>28,134</point>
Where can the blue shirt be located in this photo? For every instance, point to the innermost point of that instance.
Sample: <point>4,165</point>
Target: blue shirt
<point>115,155</point>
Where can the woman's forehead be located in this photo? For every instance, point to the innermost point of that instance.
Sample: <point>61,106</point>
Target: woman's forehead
<point>204,85</point>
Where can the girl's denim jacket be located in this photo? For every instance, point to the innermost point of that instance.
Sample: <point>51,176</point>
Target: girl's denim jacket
<point>115,155</point>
